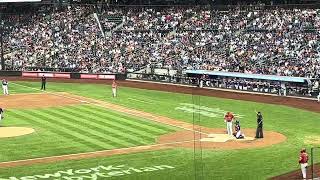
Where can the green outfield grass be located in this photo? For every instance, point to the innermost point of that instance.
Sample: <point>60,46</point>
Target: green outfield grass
<point>83,128</point>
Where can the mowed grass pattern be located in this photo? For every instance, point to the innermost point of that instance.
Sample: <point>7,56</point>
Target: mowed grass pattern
<point>78,128</point>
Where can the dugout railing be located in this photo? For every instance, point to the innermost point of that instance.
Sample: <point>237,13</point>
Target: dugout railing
<point>315,162</point>
<point>304,88</point>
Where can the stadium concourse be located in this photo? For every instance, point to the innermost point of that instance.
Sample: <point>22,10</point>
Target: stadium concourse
<point>280,41</point>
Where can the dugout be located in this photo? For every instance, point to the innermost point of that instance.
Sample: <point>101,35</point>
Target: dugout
<point>281,85</point>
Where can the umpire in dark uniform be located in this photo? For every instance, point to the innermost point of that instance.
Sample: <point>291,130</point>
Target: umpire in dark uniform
<point>259,132</point>
<point>1,115</point>
<point>43,82</point>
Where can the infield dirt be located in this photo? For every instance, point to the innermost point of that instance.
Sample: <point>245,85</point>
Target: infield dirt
<point>34,100</point>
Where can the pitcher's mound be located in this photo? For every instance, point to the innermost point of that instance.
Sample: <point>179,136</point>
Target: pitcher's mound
<point>6,132</point>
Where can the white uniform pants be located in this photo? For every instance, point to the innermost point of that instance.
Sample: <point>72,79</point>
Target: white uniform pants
<point>304,170</point>
<point>238,134</point>
<point>114,92</point>
<point>229,127</point>
<point>5,89</point>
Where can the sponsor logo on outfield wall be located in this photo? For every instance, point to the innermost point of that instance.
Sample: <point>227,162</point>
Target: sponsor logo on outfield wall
<point>204,110</point>
<point>40,74</point>
<point>97,76</point>
<point>102,76</point>
<point>95,173</point>
<point>88,76</point>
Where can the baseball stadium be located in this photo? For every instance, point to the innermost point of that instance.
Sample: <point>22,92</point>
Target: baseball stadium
<point>159,90</point>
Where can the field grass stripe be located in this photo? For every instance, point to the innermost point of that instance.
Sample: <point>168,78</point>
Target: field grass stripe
<point>96,130</point>
<point>134,121</point>
<point>131,133</point>
<point>91,135</point>
<point>116,125</point>
<point>127,138</point>
<point>16,89</point>
<point>54,128</point>
<point>130,120</point>
<point>145,121</point>
<point>58,143</point>
<point>71,129</point>
<point>40,142</point>
<point>126,122</point>
<point>93,132</point>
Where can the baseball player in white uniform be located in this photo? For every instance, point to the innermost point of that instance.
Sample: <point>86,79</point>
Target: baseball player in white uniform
<point>5,87</point>
<point>114,88</point>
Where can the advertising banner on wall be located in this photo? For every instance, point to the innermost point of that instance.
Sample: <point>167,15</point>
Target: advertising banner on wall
<point>29,74</point>
<point>68,75</point>
<point>102,76</point>
<point>46,74</point>
<point>98,76</point>
<point>88,76</point>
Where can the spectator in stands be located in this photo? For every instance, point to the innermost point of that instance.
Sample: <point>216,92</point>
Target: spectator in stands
<point>263,41</point>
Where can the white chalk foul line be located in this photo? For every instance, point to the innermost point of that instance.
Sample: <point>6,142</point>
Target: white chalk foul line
<point>95,104</point>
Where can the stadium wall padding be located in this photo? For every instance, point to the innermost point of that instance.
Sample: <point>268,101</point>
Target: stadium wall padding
<point>68,75</point>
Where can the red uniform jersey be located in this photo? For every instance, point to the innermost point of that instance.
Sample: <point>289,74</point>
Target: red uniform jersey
<point>114,85</point>
<point>303,158</point>
<point>228,117</point>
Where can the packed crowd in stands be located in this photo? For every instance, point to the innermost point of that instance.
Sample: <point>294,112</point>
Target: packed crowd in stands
<point>254,40</point>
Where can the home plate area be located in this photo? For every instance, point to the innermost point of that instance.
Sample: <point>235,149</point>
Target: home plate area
<point>216,138</point>
<point>223,138</point>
